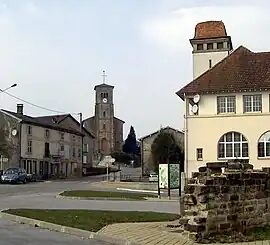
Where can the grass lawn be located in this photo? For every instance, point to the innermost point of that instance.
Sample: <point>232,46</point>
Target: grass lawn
<point>259,234</point>
<point>91,220</point>
<point>106,194</point>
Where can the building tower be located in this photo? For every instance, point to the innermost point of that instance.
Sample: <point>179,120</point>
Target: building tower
<point>104,117</point>
<point>210,44</point>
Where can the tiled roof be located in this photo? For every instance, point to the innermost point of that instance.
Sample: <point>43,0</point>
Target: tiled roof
<point>210,29</point>
<point>43,123</point>
<point>156,132</point>
<point>242,70</point>
<point>57,119</point>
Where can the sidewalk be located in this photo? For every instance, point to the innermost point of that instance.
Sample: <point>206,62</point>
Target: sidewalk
<point>148,233</point>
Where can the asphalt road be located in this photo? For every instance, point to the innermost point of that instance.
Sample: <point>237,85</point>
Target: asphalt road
<point>43,196</point>
<point>15,234</point>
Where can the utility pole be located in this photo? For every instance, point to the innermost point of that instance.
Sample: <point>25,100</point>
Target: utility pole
<point>81,130</point>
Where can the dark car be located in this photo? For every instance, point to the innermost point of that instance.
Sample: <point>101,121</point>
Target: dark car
<point>14,175</point>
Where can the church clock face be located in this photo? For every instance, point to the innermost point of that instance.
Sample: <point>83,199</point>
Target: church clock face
<point>104,100</point>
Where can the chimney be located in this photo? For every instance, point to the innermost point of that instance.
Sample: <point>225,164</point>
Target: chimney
<point>20,109</point>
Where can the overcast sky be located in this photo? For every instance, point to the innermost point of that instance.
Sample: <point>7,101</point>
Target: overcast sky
<point>55,50</point>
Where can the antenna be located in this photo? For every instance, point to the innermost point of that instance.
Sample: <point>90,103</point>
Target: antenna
<point>104,76</point>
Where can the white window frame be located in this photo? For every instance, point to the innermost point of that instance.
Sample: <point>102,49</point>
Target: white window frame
<point>242,141</point>
<point>223,103</point>
<point>249,103</point>
<point>29,146</point>
<point>199,154</point>
<point>265,139</point>
<point>85,148</point>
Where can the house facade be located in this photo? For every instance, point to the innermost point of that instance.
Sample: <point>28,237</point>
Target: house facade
<point>145,146</point>
<point>41,147</point>
<point>227,109</point>
<point>69,121</point>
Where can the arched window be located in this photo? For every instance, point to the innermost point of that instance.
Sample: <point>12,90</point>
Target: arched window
<point>232,145</point>
<point>264,145</point>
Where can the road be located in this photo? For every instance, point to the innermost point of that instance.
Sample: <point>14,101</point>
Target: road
<point>15,234</point>
<point>43,196</point>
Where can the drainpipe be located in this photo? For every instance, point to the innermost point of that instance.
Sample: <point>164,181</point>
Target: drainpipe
<point>186,139</point>
<point>20,144</point>
<point>82,153</point>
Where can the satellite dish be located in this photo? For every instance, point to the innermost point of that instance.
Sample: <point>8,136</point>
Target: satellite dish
<point>194,108</point>
<point>14,132</point>
<point>196,98</point>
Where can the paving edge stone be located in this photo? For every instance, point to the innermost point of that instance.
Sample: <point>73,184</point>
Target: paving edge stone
<point>65,229</point>
<point>150,199</point>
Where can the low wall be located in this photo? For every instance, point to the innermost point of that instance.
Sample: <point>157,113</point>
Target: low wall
<point>226,198</point>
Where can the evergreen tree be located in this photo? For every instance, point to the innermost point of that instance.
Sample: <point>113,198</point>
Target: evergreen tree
<point>130,145</point>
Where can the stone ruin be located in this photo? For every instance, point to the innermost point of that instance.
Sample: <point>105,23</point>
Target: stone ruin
<point>225,198</point>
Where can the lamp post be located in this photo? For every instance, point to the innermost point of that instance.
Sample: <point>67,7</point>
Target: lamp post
<point>12,86</point>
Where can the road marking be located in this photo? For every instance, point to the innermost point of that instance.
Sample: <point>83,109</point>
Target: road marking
<point>136,190</point>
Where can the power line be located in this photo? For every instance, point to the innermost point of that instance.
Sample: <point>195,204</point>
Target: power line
<point>35,105</point>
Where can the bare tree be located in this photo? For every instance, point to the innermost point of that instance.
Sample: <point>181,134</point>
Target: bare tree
<point>6,145</point>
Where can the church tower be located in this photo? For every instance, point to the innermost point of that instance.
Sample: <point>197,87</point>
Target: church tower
<point>210,44</point>
<point>104,117</point>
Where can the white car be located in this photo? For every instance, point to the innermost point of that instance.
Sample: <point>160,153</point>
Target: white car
<point>153,178</point>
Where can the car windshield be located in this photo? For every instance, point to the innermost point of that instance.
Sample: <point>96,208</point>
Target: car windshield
<point>11,171</point>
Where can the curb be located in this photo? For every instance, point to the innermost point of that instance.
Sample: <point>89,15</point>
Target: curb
<point>149,199</point>
<point>65,229</point>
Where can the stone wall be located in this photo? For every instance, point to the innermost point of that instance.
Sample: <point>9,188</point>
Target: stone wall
<point>226,197</point>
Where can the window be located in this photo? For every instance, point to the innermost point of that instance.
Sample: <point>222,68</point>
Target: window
<point>199,46</point>
<point>104,126</point>
<point>85,148</point>
<point>210,63</point>
<point>226,104</point>
<point>264,145</point>
<point>47,150</point>
<point>79,153</point>
<point>104,113</point>
<point>252,103</point>
<point>47,133</point>
<point>62,136</point>
<point>29,130</point>
<point>220,45</point>
<point>84,159</point>
<point>62,147</point>
<point>29,146</point>
<point>73,138</point>
<point>74,152</point>
<point>210,46</point>
<point>199,154</point>
<point>232,145</point>
<point>104,95</point>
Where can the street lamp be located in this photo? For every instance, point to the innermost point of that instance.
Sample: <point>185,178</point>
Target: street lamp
<point>12,86</point>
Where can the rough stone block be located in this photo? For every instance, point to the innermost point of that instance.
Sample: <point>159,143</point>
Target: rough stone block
<point>190,199</point>
<point>202,169</point>
<point>199,220</point>
<point>189,189</point>
<point>194,227</point>
<point>234,198</point>
<point>224,226</point>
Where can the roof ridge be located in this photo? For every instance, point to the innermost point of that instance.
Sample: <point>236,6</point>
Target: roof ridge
<point>241,48</point>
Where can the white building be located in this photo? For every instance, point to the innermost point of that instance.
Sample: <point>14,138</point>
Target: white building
<point>40,146</point>
<point>227,110</point>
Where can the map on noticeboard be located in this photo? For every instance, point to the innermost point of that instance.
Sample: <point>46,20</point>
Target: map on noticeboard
<point>163,176</point>
<point>174,176</point>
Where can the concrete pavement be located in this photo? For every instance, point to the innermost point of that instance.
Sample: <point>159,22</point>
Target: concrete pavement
<point>16,234</point>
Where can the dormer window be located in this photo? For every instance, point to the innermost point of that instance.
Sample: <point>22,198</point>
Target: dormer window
<point>210,46</point>
<point>199,46</point>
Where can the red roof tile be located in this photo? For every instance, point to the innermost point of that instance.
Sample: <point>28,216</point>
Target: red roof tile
<point>241,70</point>
<point>210,29</point>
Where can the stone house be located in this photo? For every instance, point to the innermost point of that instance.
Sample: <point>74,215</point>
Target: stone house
<point>226,106</point>
<point>41,147</point>
<point>69,121</point>
<point>146,142</point>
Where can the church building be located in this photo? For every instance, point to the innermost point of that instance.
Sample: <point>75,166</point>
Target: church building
<point>107,128</point>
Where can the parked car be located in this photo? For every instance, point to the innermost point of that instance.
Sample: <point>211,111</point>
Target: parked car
<point>153,177</point>
<point>31,177</point>
<point>14,175</point>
